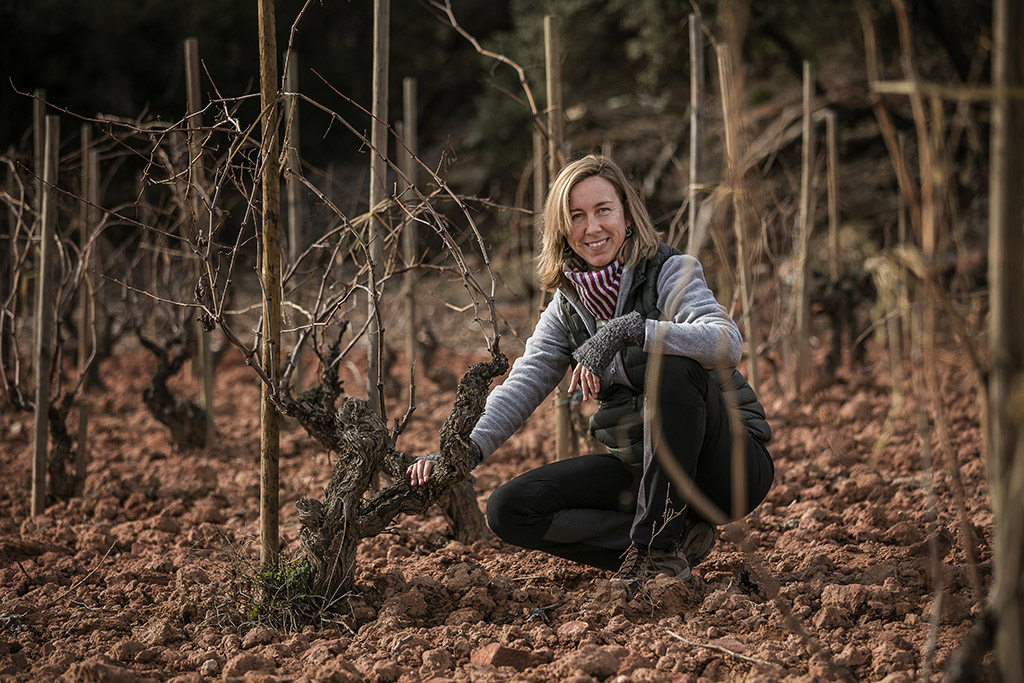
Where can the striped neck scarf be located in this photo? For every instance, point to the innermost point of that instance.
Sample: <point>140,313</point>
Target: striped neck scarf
<point>598,289</point>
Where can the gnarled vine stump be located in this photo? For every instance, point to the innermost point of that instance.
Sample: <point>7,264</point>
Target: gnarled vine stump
<point>61,460</point>
<point>331,529</point>
<point>185,419</point>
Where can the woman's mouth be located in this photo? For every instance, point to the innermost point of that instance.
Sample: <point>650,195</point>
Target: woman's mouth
<point>597,245</point>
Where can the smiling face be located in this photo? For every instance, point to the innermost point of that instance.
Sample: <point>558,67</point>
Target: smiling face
<point>598,226</point>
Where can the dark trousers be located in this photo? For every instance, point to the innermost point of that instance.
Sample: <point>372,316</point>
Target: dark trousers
<point>588,509</point>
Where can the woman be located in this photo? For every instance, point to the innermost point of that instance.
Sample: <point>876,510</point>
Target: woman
<point>620,294</point>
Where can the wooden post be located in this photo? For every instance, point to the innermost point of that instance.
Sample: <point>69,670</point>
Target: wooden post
<point>270,356</point>
<point>378,191</point>
<point>1006,282</point>
<point>734,152</point>
<point>553,65</point>
<point>905,225</point>
<point>200,217</point>
<point>540,192</point>
<point>86,304</point>
<point>410,240</point>
<point>733,146</point>
<point>293,187</point>
<point>896,319</point>
<point>39,143</point>
<point>293,191</point>
<point>833,195</point>
<point>803,313</point>
<point>195,121</point>
<point>693,242</point>
<point>10,227</point>
<point>45,313</point>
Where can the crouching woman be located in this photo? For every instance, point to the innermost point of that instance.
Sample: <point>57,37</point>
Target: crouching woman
<point>620,296</point>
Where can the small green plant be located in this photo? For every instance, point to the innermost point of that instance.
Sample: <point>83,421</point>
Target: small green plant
<point>281,595</point>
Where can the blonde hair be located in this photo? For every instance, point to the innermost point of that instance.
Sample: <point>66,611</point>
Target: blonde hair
<point>556,255</point>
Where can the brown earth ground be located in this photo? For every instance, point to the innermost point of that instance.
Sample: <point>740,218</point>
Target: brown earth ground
<point>137,579</point>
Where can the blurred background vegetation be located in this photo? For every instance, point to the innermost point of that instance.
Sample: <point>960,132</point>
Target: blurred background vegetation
<point>625,73</point>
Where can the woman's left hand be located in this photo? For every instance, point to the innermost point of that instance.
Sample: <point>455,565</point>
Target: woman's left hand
<point>588,382</point>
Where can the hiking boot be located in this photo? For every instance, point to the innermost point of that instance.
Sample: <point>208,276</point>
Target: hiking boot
<point>641,563</point>
<point>636,565</point>
<point>698,539</point>
<point>671,563</point>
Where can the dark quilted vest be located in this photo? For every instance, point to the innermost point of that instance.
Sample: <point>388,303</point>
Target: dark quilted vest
<point>618,422</point>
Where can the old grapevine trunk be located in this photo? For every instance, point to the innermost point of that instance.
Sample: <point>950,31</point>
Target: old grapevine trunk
<point>331,529</point>
<point>185,419</point>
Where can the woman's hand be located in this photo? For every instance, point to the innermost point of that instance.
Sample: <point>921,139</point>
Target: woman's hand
<point>419,471</point>
<point>588,382</point>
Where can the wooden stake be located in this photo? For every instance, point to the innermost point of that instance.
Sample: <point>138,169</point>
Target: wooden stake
<point>45,313</point>
<point>803,312</point>
<point>1006,378</point>
<point>7,257</point>
<point>694,240</point>
<point>735,150</point>
<point>293,187</point>
<point>378,191</point>
<point>553,66</point>
<point>270,352</point>
<point>86,304</point>
<point>293,190</point>
<point>833,195</point>
<point>195,121</point>
<point>897,320</point>
<point>410,238</point>
<point>39,143</point>
<point>553,69</point>
<point>200,219</point>
<point>540,191</point>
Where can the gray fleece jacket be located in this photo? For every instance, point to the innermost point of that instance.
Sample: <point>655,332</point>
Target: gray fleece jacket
<point>693,324</point>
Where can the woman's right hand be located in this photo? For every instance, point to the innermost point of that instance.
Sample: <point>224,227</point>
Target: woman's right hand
<point>419,471</point>
<point>585,381</point>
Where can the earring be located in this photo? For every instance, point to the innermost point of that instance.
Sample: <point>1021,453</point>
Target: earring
<point>629,231</point>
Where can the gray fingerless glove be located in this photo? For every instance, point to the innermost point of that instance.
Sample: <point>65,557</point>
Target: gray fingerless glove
<point>475,456</point>
<point>597,352</point>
